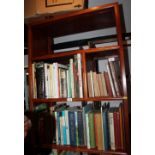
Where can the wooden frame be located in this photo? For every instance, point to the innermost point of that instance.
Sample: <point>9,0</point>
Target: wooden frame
<point>51,3</point>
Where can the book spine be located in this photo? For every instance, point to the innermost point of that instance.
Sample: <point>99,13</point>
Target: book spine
<point>114,77</point>
<point>67,127</point>
<point>87,128</point>
<point>111,81</point>
<point>98,130</point>
<point>72,78</point>
<point>91,129</point>
<point>116,131</point>
<point>108,86</point>
<point>111,128</point>
<point>59,130</point>
<point>104,84</point>
<point>64,128</point>
<point>40,80</point>
<point>56,80</point>
<point>92,85</point>
<point>106,130</point>
<point>72,128</point>
<point>121,128</point>
<point>80,128</point>
<point>80,75</point>
<point>76,128</point>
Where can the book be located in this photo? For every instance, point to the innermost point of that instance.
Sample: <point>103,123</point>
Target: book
<point>98,130</point>
<point>114,75</point>
<point>72,127</point>
<point>40,79</point>
<point>105,127</point>
<point>111,129</point>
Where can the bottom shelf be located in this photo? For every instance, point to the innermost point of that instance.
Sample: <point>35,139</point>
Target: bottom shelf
<point>83,149</point>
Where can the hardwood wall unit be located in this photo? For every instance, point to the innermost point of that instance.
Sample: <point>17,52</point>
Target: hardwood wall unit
<point>41,36</point>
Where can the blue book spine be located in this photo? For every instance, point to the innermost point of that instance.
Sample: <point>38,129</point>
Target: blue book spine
<point>106,130</point>
<point>80,128</point>
<point>72,128</point>
<point>64,128</point>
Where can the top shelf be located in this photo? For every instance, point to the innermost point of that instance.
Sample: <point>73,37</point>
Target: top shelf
<point>94,18</point>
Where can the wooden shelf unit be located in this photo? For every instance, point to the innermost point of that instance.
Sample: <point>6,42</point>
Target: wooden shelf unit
<point>40,35</point>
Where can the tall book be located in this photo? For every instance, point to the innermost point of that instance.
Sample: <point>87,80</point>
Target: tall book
<point>98,130</point>
<point>91,129</point>
<point>40,79</point>
<point>72,127</point>
<point>111,80</point>
<point>114,75</point>
<point>79,62</point>
<point>111,129</point>
<point>105,127</point>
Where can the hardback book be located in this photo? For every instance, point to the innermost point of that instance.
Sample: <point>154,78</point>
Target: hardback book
<point>80,128</point>
<point>108,85</point>
<point>114,75</point>
<point>72,128</point>
<point>63,82</point>
<point>79,62</point>
<point>98,130</point>
<point>111,80</point>
<point>111,129</point>
<point>40,79</point>
<point>72,77</point>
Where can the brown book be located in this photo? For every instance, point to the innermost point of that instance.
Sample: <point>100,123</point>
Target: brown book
<point>121,128</point>
<point>98,130</point>
<point>96,84</point>
<point>104,85</point>
<point>99,78</point>
<point>108,86</point>
<point>116,130</point>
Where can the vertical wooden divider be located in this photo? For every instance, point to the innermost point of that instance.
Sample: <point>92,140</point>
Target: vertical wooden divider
<point>123,77</point>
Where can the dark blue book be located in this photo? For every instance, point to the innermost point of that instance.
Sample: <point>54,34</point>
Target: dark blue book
<point>106,129</point>
<point>72,128</point>
<point>80,128</point>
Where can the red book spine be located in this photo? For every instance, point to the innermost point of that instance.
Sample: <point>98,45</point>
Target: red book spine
<point>108,86</point>
<point>116,130</point>
<point>119,130</point>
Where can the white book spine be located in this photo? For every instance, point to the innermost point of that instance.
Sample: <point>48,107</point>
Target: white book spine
<point>87,128</point>
<point>55,80</point>
<point>80,75</point>
<point>112,134</point>
<point>72,78</point>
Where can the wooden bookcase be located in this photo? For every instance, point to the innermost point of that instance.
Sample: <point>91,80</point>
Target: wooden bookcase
<point>40,36</point>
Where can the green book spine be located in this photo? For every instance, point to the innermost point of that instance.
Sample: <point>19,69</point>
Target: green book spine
<point>91,130</point>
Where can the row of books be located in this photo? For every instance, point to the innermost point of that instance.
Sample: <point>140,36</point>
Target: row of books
<point>55,80</point>
<point>94,125</point>
<point>55,152</point>
<point>104,78</point>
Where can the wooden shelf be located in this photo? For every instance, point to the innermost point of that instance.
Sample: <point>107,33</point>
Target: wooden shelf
<point>69,53</point>
<point>82,149</point>
<point>49,100</point>
<point>41,37</point>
